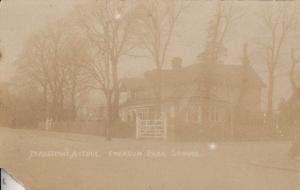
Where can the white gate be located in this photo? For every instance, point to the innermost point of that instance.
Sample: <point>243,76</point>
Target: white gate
<point>151,128</point>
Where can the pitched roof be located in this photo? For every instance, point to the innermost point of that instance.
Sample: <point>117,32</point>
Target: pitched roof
<point>134,83</point>
<point>233,74</point>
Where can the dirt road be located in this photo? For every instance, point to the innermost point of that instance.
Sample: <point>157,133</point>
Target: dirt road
<point>48,160</point>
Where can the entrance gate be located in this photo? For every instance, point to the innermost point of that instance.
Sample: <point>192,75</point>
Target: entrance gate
<point>151,128</point>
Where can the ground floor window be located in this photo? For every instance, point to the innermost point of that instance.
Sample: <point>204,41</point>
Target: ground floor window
<point>194,114</point>
<point>212,114</point>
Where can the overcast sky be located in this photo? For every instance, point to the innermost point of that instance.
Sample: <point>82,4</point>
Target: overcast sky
<point>19,18</point>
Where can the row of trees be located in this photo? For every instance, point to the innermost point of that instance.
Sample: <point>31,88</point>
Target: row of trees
<point>85,50</point>
<point>278,23</point>
<point>51,63</point>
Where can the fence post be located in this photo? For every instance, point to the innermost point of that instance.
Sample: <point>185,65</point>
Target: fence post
<point>165,128</point>
<point>137,132</point>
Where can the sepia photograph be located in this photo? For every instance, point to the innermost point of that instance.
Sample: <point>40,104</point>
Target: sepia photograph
<point>150,94</point>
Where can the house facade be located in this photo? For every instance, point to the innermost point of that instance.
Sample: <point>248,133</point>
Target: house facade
<point>200,95</point>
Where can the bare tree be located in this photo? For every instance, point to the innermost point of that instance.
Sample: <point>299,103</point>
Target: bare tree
<point>74,56</point>
<point>51,61</point>
<point>222,19</point>
<point>57,69</point>
<point>32,67</point>
<point>292,71</point>
<point>238,106</point>
<point>108,26</point>
<point>278,21</point>
<point>289,109</point>
<point>224,16</point>
<point>157,22</point>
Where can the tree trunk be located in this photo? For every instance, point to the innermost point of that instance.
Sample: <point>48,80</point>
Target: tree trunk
<point>61,107</point>
<point>159,90</point>
<point>116,92</point>
<point>292,71</point>
<point>53,113</point>
<point>73,110</point>
<point>73,106</point>
<point>270,99</point>
<point>109,116</point>
<point>45,103</point>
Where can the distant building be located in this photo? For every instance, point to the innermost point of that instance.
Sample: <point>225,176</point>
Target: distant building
<point>200,94</point>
